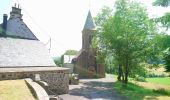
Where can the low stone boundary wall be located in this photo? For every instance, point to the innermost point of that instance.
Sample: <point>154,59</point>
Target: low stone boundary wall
<point>40,93</point>
<point>56,77</point>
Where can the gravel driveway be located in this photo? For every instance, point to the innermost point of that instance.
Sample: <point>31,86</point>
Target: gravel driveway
<point>93,89</point>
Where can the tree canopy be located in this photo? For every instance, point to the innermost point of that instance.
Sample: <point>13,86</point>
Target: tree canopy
<point>165,20</point>
<point>71,52</point>
<point>163,3</point>
<point>164,40</point>
<point>125,34</point>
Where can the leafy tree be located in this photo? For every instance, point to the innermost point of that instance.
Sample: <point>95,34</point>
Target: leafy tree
<point>103,16</point>
<point>125,34</point>
<point>163,3</point>
<point>101,51</point>
<point>59,61</point>
<point>165,39</point>
<point>71,52</point>
<point>164,44</point>
<point>165,20</point>
<point>167,59</point>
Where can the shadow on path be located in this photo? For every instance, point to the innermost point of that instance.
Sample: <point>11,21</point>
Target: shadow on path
<point>93,89</point>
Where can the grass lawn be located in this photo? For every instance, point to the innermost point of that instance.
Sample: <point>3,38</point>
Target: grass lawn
<point>135,92</point>
<point>162,81</point>
<point>15,90</point>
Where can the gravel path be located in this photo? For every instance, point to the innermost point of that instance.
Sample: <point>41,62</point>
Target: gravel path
<point>93,89</point>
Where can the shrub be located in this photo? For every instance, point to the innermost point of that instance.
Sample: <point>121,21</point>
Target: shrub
<point>156,75</point>
<point>140,79</point>
<point>71,77</point>
<point>162,91</point>
<point>162,75</point>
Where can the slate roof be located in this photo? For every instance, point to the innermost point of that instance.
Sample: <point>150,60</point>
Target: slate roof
<point>89,24</point>
<point>16,26</point>
<point>23,52</point>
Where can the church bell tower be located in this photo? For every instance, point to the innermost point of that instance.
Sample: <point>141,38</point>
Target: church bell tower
<point>88,31</point>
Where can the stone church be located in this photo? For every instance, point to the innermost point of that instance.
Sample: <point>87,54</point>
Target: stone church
<point>22,55</point>
<point>86,64</point>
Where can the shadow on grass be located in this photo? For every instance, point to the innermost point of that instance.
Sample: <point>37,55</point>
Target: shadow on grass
<point>31,90</point>
<point>97,90</point>
<point>135,92</point>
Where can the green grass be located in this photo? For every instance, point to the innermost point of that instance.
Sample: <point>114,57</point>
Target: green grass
<point>161,80</point>
<point>135,92</point>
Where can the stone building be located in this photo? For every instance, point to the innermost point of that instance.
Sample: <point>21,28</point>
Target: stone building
<point>22,55</point>
<point>67,62</point>
<point>86,65</point>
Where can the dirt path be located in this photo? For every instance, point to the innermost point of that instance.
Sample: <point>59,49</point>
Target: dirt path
<point>93,89</point>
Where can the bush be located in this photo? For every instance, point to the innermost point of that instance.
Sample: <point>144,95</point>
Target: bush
<point>140,79</point>
<point>162,75</point>
<point>162,91</point>
<point>73,79</point>
<point>151,75</point>
<point>138,70</point>
<point>71,76</point>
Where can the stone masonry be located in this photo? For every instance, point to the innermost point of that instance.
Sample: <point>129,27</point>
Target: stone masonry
<point>57,78</point>
<point>86,63</point>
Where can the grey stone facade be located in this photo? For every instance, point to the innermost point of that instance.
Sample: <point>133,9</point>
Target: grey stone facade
<point>57,78</point>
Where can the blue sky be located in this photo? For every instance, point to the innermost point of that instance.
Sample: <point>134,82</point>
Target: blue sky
<point>5,7</point>
<point>62,20</point>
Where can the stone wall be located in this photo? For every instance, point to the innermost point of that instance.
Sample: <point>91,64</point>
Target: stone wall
<point>58,82</point>
<point>58,79</point>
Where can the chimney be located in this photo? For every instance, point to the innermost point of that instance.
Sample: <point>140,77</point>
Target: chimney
<point>16,12</point>
<point>4,24</point>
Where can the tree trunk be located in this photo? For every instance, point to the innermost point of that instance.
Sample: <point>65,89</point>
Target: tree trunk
<point>123,77</point>
<point>126,77</point>
<point>126,71</point>
<point>119,73</point>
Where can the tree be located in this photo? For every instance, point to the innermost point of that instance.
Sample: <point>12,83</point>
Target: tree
<point>164,45</point>
<point>165,20</point>
<point>97,43</point>
<point>125,34</point>
<point>165,39</point>
<point>163,3</point>
<point>71,52</point>
<point>59,61</point>
<point>167,59</point>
